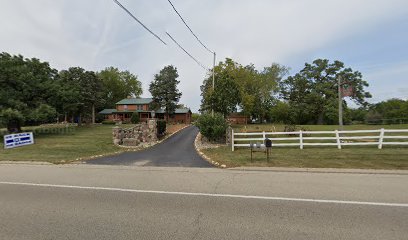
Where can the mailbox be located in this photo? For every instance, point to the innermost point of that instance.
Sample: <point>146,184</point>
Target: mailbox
<point>268,143</point>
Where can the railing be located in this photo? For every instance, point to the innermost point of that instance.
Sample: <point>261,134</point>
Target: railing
<point>330,138</point>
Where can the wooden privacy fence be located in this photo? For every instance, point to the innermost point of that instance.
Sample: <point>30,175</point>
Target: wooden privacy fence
<point>337,138</point>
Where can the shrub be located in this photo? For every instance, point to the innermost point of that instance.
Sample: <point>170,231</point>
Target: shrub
<point>135,118</point>
<point>108,122</point>
<point>161,127</point>
<point>212,127</point>
<point>194,117</point>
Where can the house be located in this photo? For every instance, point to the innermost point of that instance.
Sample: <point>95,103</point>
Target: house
<point>237,118</point>
<point>125,108</point>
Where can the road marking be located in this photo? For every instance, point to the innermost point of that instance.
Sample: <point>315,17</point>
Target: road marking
<point>209,194</point>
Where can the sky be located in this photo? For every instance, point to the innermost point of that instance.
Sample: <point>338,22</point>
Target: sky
<point>370,36</point>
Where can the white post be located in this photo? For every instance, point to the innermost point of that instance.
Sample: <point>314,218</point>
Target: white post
<point>338,139</point>
<point>301,139</point>
<point>232,139</point>
<point>381,139</point>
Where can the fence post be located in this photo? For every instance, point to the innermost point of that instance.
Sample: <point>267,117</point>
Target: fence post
<point>381,139</point>
<point>338,139</point>
<point>232,139</point>
<point>301,139</point>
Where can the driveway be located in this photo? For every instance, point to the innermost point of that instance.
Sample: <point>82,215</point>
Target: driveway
<point>176,151</point>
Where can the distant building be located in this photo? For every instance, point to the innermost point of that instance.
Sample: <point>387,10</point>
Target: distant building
<point>237,118</point>
<point>125,108</point>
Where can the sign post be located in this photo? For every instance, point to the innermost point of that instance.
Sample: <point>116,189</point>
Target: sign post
<point>18,140</point>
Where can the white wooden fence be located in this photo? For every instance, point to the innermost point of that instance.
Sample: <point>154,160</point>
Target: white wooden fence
<point>331,138</point>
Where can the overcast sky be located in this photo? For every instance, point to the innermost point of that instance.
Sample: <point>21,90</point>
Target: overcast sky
<point>370,36</point>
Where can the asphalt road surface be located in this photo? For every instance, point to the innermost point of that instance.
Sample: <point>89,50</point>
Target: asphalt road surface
<point>176,151</point>
<point>113,202</point>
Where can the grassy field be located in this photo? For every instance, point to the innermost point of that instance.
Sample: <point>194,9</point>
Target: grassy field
<point>80,142</point>
<point>351,157</point>
<point>389,157</point>
<point>281,127</point>
<point>60,145</point>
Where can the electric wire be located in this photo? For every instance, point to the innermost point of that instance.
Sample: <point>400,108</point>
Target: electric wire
<point>137,20</point>
<point>198,62</point>
<point>189,28</point>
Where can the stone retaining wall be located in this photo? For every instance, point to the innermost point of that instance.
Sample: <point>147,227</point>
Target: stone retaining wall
<point>140,134</point>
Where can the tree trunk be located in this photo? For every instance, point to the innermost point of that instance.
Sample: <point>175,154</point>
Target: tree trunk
<point>320,119</point>
<point>13,126</point>
<point>79,120</point>
<point>65,118</point>
<point>93,113</point>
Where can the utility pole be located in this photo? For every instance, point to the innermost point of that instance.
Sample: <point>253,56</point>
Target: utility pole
<point>213,82</point>
<point>340,103</point>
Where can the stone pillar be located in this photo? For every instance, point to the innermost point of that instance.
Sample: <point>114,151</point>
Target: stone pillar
<point>228,135</point>
<point>117,135</point>
<point>152,129</point>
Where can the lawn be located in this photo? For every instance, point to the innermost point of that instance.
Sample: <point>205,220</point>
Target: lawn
<point>313,157</point>
<point>390,157</point>
<point>281,127</point>
<point>60,145</point>
<point>79,142</point>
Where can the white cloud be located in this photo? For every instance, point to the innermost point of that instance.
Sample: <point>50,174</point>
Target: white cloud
<point>95,34</point>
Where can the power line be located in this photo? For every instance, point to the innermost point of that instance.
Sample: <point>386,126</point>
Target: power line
<point>199,63</point>
<point>189,28</point>
<point>137,20</point>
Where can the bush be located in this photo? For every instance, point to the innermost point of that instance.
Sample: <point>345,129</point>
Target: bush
<point>135,118</point>
<point>212,127</point>
<point>161,127</point>
<point>108,122</point>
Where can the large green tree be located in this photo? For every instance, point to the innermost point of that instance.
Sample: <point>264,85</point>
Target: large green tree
<point>244,87</point>
<point>164,89</point>
<point>27,87</point>
<point>80,91</point>
<point>313,92</point>
<point>118,85</point>
<point>225,96</point>
<point>389,111</point>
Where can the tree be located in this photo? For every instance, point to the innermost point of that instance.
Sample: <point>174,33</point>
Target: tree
<point>80,91</point>
<point>242,86</point>
<point>312,93</point>
<point>164,89</point>
<point>225,97</point>
<point>118,85</point>
<point>389,111</point>
<point>27,87</point>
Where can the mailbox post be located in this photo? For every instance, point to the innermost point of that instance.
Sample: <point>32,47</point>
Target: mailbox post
<point>268,146</point>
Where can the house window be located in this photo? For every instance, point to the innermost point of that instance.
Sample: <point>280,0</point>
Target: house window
<point>125,107</point>
<point>139,107</point>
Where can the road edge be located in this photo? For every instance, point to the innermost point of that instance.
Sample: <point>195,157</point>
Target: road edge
<point>205,157</point>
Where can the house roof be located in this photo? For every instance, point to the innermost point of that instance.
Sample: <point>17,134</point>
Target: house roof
<point>178,110</point>
<point>110,111</point>
<point>107,111</point>
<point>132,101</point>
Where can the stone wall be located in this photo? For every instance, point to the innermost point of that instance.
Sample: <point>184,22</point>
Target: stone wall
<point>142,133</point>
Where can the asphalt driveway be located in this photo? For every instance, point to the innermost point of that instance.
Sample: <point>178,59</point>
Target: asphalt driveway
<point>176,151</point>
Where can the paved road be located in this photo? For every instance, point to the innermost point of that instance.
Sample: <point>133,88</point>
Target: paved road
<point>114,202</point>
<point>176,151</point>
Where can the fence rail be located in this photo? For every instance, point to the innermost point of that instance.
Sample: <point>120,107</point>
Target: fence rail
<point>302,138</point>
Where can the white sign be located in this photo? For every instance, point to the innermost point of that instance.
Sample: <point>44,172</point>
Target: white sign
<point>18,139</point>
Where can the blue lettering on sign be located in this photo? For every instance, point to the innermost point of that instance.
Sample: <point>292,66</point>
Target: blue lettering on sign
<point>19,139</point>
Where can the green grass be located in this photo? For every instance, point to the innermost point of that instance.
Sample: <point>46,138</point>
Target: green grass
<point>389,157</point>
<point>312,157</point>
<point>80,142</point>
<point>280,127</point>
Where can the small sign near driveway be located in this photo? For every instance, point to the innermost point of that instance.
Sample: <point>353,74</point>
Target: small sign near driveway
<point>18,140</point>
